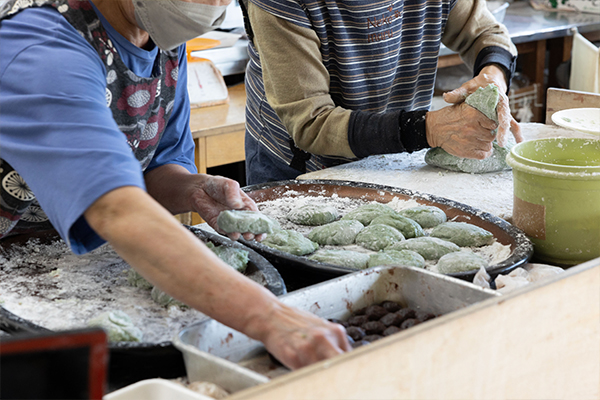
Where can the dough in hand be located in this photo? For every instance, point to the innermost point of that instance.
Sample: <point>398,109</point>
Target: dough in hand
<point>426,216</point>
<point>367,212</point>
<point>485,100</point>
<point>460,261</point>
<point>343,258</point>
<point>291,242</point>
<point>430,248</point>
<point>378,236</point>
<point>243,221</point>
<point>407,258</point>
<point>408,227</point>
<point>463,234</point>
<point>235,258</point>
<point>118,326</point>
<point>339,233</point>
<point>313,215</point>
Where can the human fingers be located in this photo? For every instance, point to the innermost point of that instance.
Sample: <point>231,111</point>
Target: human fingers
<point>457,95</point>
<point>516,130</point>
<point>225,191</point>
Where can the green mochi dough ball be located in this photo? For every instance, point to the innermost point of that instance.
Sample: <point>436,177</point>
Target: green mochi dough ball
<point>236,258</point>
<point>426,216</point>
<point>460,261</point>
<point>340,233</point>
<point>485,99</point>
<point>313,215</point>
<point>408,227</point>
<point>118,326</point>
<point>406,258</point>
<point>137,280</point>
<point>343,258</point>
<point>463,234</point>
<point>255,222</point>
<point>367,212</point>
<point>163,299</point>
<point>290,242</point>
<point>378,237</point>
<point>430,248</point>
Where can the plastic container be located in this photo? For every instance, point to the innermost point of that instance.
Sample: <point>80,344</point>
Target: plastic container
<point>155,389</point>
<point>557,197</point>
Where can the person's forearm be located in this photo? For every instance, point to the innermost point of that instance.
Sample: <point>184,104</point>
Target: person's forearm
<point>169,256</point>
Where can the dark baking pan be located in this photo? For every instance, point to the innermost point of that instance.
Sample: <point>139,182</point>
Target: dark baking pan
<point>132,361</point>
<point>299,272</point>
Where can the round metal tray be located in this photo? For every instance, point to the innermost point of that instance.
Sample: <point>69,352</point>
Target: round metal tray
<point>134,361</point>
<point>302,271</point>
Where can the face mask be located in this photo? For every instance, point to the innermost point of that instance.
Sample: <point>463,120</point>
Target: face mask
<point>171,23</point>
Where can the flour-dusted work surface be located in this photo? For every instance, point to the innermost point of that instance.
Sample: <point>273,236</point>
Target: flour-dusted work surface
<point>490,192</point>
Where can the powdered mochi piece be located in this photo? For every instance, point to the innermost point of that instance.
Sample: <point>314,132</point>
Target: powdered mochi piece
<point>485,99</point>
<point>290,242</point>
<point>405,258</point>
<point>340,233</point>
<point>313,215</point>
<point>343,258</point>
<point>163,299</point>
<point>430,248</point>
<point>463,234</point>
<point>460,261</point>
<point>118,326</point>
<point>426,216</point>
<point>408,227</point>
<point>367,212</point>
<point>243,221</point>
<point>378,236</point>
<point>236,258</point>
<point>136,280</point>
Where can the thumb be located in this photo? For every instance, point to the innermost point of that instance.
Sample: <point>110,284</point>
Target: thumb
<point>456,96</point>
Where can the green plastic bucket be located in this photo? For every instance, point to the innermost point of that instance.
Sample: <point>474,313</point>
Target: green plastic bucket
<point>557,197</point>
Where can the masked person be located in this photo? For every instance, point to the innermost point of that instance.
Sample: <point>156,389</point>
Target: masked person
<point>95,142</point>
<point>331,82</point>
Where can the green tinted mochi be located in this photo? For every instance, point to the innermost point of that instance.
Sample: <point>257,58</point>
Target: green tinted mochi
<point>425,216</point>
<point>463,234</point>
<point>367,212</point>
<point>408,227</point>
<point>313,215</point>
<point>405,258</point>
<point>430,248</point>
<point>242,221</point>
<point>339,233</point>
<point>290,242</point>
<point>460,261</point>
<point>378,236</point>
<point>343,258</point>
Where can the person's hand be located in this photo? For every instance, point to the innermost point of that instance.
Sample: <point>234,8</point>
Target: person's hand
<point>490,74</point>
<point>213,194</point>
<point>298,338</point>
<point>461,130</point>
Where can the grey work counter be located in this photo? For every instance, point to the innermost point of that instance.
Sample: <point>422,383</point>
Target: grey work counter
<point>525,24</point>
<point>491,192</point>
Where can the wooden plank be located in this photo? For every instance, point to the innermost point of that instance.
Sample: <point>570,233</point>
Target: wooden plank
<point>219,119</point>
<point>562,99</point>
<point>540,342</point>
<point>226,148</point>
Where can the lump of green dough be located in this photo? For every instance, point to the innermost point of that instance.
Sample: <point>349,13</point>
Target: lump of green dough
<point>408,227</point>
<point>426,216</point>
<point>463,234</point>
<point>246,221</point>
<point>367,212</point>
<point>163,299</point>
<point>430,248</point>
<point>137,280</point>
<point>343,258</point>
<point>339,233</point>
<point>313,215</point>
<point>290,242</point>
<point>118,326</point>
<point>460,261</point>
<point>485,100</point>
<point>236,258</point>
<point>405,258</point>
<point>378,236</point>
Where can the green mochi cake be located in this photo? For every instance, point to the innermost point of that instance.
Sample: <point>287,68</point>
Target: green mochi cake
<point>343,258</point>
<point>290,242</point>
<point>430,248</point>
<point>313,215</point>
<point>460,261</point>
<point>378,236</point>
<point>405,258</point>
<point>463,234</point>
<point>367,212</point>
<point>243,221</point>
<point>339,233</point>
<point>408,227</point>
<point>425,216</point>
<point>118,326</point>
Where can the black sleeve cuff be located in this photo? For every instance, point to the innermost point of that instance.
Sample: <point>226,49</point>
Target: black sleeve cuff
<point>394,132</point>
<point>500,57</point>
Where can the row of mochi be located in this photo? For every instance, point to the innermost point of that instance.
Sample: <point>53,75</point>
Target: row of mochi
<point>398,237</point>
